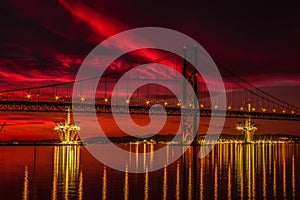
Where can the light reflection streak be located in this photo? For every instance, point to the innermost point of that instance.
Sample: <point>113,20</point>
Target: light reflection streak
<point>80,190</point>
<point>26,184</point>
<point>212,158</point>
<point>253,172</point>
<point>293,177</point>
<point>229,181</point>
<point>66,176</point>
<point>126,185</point>
<point>275,158</point>
<point>264,185</point>
<point>216,182</point>
<point>201,178</point>
<point>242,168</point>
<point>136,156</point>
<point>248,169</point>
<point>165,183</point>
<point>284,170</point>
<point>145,155</point>
<point>151,154</point>
<point>190,183</point>
<point>274,178</point>
<point>230,166</point>
<point>178,182</point>
<point>240,174</point>
<point>104,184</point>
<point>146,186</point>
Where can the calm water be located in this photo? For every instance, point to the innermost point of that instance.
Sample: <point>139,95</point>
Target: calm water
<point>230,171</point>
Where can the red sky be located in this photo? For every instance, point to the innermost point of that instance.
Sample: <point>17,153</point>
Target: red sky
<point>45,41</point>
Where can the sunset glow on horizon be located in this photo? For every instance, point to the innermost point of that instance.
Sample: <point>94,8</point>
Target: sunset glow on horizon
<point>39,48</point>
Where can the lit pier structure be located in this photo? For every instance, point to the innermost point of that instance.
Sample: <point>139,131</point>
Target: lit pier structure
<point>68,133</point>
<point>248,128</point>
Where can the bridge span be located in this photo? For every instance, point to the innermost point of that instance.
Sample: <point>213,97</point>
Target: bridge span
<point>44,106</point>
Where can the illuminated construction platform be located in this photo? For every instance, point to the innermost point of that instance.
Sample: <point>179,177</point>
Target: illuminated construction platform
<point>67,132</point>
<point>248,128</point>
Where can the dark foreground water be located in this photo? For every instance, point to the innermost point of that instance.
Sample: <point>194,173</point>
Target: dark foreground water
<point>230,171</point>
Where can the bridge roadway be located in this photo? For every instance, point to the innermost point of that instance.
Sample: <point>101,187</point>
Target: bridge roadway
<point>38,106</point>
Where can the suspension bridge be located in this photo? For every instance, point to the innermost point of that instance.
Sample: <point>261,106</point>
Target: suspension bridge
<point>55,97</point>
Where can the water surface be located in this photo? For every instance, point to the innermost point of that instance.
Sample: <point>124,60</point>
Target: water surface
<point>231,171</point>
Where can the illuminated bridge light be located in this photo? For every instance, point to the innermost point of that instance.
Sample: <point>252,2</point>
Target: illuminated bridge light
<point>264,110</point>
<point>253,109</point>
<point>229,107</point>
<point>216,107</point>
<point>201,105</point>
<point>165,103</point>
<point>56,97</point>
<point>127,101</point>
<point>283,111</point>
<point>273,110</point>
<point>82,99</point>
<point>178,104</point>
<point>147,102</point>
<point>293,112</point>
<point>105,100</point>
<point>241,108</point>
<point>28,96</point>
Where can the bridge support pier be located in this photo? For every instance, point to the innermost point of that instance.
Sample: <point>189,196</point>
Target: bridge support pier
<point>248,128</point>
<point>67,132</point>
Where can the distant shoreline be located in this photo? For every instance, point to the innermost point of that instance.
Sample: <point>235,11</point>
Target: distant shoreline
<point>156,139</point>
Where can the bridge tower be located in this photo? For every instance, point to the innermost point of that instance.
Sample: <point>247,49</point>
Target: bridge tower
<point>67,132</point>
<point>248,128</point>
<point>190,121</point>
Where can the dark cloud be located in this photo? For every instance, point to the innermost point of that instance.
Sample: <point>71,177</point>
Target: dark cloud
<point>47,40</point>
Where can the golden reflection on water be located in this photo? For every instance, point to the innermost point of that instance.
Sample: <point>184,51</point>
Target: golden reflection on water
<point>229,181</point>
<point>293,177</point>
<point>137,156</point>
<point>177,182</point>
<point>216,182</point>
<point>284,171</point>
<point>151,155</point>
<point>165,183</point>
<point>190,181</point>
<point>264,172</point>
<point>67,178</point>
<point>253,172</point>
<point>274,179</point>
<point>80,190</point>
<point>145,156</point>
<point>104,184</point>
<point>201,179</point>
<point>146,186</point>
<point>126,185</point>
<point>25,184</point>
<point>240,172</point>
<point>230,171</point>
<point>250,172</point>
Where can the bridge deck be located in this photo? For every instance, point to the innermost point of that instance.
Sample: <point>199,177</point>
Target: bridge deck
<point>37,106</point>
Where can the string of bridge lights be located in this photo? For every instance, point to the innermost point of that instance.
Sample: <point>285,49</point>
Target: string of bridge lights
<point>147,102</point>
